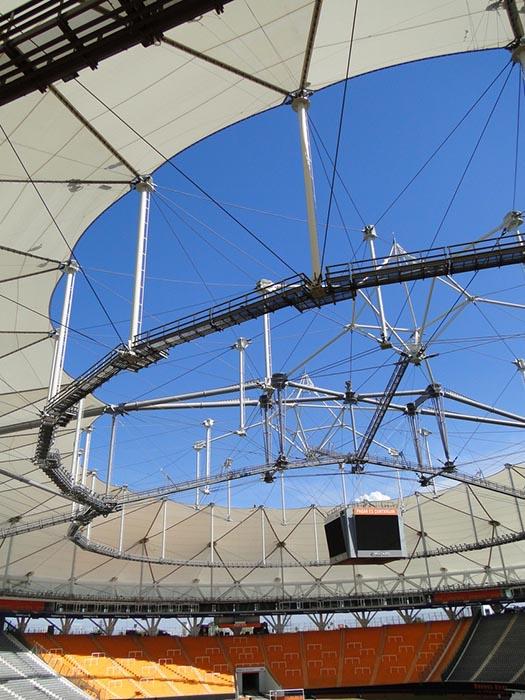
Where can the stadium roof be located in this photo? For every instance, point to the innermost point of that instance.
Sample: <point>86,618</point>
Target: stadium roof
<point>79,123</point>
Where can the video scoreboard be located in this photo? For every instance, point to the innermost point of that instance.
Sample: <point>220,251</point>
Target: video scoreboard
<point>365,535</point>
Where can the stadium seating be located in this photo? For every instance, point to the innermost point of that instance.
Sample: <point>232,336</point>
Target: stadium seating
<point>200,661</point>
<point>284,655</point>
<point>490,653</point>
<point>244,651</point>
<point>359,654</point>
<point>23,675</point>
<point>443,659</point>
<point>133,666</point>
<point>431,644</point>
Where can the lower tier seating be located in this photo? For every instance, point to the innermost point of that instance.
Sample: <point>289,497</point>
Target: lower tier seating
<point>134,666</point>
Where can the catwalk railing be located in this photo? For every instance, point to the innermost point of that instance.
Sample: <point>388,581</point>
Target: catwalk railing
<point>320,460</point>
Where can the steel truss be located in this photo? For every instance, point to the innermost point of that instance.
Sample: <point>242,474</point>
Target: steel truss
<point>49,40</point>
<point>319,460</point>
<point>395,592</point>
<point>340,282</point>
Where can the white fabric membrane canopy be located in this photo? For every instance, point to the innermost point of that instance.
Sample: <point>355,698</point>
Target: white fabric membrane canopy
<point>150,103</point>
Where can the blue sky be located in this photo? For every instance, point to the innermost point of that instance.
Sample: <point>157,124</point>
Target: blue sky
<point>393,121</point>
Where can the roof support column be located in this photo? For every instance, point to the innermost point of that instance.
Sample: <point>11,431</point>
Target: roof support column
<point>300,104</point>
<point>106,625</point>
<point>278,622</point>
<point>343,484</point>
<point>71,268</point>
<point>364,618</point>
<point>352,423</point>
<point>424,434</point>
<point>263,536</point>
<point>164,528</point>
<point>265,401</point>
<point>66,625</point>
<point>22,622</point>
<point>437,400</point>
<point>75,459</point>
<point>423,536</point>
<point>279,383</point>
<point>321,620</point>
<point>241,345</point>
<point>408,615</point>
<point>144,187</point>
<point>267,349</point>
<point>72,577</point>
<point>212,548</point>
<point>369,234</point>
<point>121,530</point>
<point>400,493</point>
<point>472,518</point>
<point>212,536</point>
<point>150,625</point>
<point>111,452</point>
<point>192,625</point>
<point>87,448</point>
<point>283,499</point>
<point>316,542</point>
<point>519,57</point>
<point>453,613</point>
<point>198,446</point>
<point>227,468</point>
<point>141,576</point>
<point>93,490</point>
<point>265,286</point>
<point>414,430</point>
<point>7,562</point>
<point>208,424</point>
<point>516,23</point>
<point>495,524</point>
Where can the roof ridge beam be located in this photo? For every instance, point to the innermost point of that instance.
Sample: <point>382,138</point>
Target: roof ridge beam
<point>314,24</point>
<point>86,124</point>
<point>225,66</point>
<point>27,254</point>
<point>515,20</point>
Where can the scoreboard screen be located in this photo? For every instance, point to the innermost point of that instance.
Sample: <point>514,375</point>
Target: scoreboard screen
<point>375,532</point>
<point>365,535</point>
<point>335,536</point>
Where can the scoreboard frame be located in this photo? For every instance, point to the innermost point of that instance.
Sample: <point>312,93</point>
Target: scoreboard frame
<point>348,544</point>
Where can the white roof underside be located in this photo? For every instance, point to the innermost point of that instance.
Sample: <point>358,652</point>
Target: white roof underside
<point>173,99</point>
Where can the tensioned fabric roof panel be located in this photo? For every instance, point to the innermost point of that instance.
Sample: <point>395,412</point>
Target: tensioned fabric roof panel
<point>255,547</point>
<point>150,104</point>
<point>152,91</point>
